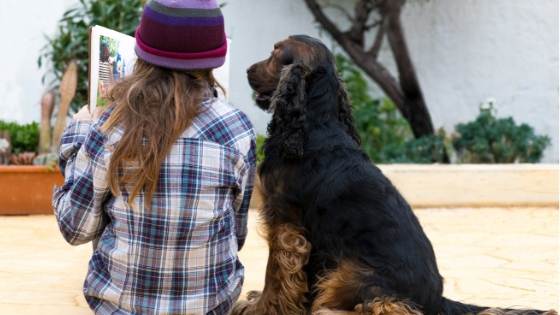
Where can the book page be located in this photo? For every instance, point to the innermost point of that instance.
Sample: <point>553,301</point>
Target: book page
<point>112,58</point>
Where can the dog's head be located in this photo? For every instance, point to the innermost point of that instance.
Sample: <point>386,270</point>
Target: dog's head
<point>300,50</point>
<point>282,81</point>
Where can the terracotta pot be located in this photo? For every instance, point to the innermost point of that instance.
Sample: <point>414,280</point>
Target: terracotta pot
<point>27,190</point>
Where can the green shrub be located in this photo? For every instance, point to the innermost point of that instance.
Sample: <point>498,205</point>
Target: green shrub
<point>489,139</point>
<point>379,124</point>
<point>24,138</point>
<point>72,39</point>
<point>386,135</point>
<point>424,150</point>
<point>260,148</point>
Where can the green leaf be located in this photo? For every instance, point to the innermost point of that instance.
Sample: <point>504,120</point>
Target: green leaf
<point>489,139</point>
<point>24,138</point>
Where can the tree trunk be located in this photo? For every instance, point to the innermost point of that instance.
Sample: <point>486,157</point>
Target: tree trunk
<point>405,92</point>
<point>414,107</point>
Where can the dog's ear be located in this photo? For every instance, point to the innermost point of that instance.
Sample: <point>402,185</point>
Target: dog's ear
<point>345,112</point>
<point>288,103</point>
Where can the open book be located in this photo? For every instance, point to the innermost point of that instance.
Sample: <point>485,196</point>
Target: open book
<point>112,58</point>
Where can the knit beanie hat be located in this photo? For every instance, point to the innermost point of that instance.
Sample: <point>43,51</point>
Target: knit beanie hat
<point>182,34</point>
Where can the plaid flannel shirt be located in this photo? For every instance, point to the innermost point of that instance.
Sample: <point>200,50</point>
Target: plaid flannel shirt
<point>180,257</point>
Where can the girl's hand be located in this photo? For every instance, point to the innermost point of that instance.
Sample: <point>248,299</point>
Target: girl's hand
<point>83,114</point>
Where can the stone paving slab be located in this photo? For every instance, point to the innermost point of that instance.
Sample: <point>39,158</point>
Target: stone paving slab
<point>498,257</point>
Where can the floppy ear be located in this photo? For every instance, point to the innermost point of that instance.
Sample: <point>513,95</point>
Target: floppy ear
<point>345,112</point>
<point>287,129</point>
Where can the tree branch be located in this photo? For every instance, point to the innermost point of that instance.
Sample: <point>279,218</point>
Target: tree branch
<point>410,86</point>
<point>341,10</point>
<point>362,13</point>
<point>404,92</point>
<point>322,18</point>
<point>375,70</point>
<point>377,42</point>
<point>374,24</point>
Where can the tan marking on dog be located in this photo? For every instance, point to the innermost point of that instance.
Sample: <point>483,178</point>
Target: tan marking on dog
<point>285,282</point>
<point>338,290</point>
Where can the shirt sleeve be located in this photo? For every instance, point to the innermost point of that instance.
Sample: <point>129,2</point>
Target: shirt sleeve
<point>243,199</point>
<point>78,204</point>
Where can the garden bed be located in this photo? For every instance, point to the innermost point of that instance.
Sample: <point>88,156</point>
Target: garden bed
<point>27,189</point>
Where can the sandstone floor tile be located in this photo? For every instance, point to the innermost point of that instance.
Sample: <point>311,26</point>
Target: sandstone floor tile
<point>497,257</point>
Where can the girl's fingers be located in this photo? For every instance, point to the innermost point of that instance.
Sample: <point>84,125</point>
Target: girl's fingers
<point>83,114</point>
<point>97,112</point>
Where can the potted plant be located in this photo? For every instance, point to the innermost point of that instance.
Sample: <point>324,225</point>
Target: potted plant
<point>26,184</point>
<point>28,160</point>
<point>24,188</point>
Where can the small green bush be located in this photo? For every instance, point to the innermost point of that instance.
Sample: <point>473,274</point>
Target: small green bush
<point>386,135</point>
<point>24,138</point>
<point>489,139</point>
<point>379,124</point>
<point>424,150</point>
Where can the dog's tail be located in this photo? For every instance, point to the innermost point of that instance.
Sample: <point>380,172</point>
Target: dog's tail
<point>450,307</point>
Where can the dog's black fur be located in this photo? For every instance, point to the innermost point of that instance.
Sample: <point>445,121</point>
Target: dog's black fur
<point>315,175</point>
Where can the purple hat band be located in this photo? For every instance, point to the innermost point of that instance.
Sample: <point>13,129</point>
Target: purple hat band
<point>181,64</point>
<point>189,4</point>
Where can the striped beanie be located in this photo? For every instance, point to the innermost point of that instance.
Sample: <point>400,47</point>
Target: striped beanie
<point>182,34</point>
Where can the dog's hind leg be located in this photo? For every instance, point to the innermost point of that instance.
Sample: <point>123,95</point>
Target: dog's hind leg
<point>286,286</point>
<point>386,306</point>
<point>345,291</point>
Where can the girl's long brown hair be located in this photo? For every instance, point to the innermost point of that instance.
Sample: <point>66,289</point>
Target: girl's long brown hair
<point>154,106</point>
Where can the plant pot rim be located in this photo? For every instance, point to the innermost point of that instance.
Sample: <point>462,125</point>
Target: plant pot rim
<point>26,169</point>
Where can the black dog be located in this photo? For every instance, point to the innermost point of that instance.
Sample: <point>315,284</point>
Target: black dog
<point>342,238</point>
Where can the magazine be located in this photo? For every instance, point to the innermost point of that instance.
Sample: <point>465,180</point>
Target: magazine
<point>112,58</point>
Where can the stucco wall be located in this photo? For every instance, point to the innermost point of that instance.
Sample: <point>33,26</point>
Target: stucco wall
<point>471,50</point>
<point>22,25</point>
<point>465,52</point>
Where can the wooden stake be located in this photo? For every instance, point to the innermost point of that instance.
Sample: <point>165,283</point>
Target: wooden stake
<point>68,87</point>
<point>47,106</point>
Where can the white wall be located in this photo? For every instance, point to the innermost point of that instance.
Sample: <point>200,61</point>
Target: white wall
<point>470,50</point>
<point>22,25</point>
<point>465,52</point>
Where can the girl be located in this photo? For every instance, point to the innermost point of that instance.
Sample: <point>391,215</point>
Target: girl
<point>163,178</point>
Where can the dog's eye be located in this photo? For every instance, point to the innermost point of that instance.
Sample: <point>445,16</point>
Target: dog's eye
<point>287,59</point>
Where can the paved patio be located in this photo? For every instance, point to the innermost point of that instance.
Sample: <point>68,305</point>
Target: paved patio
<point>499,257</point>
